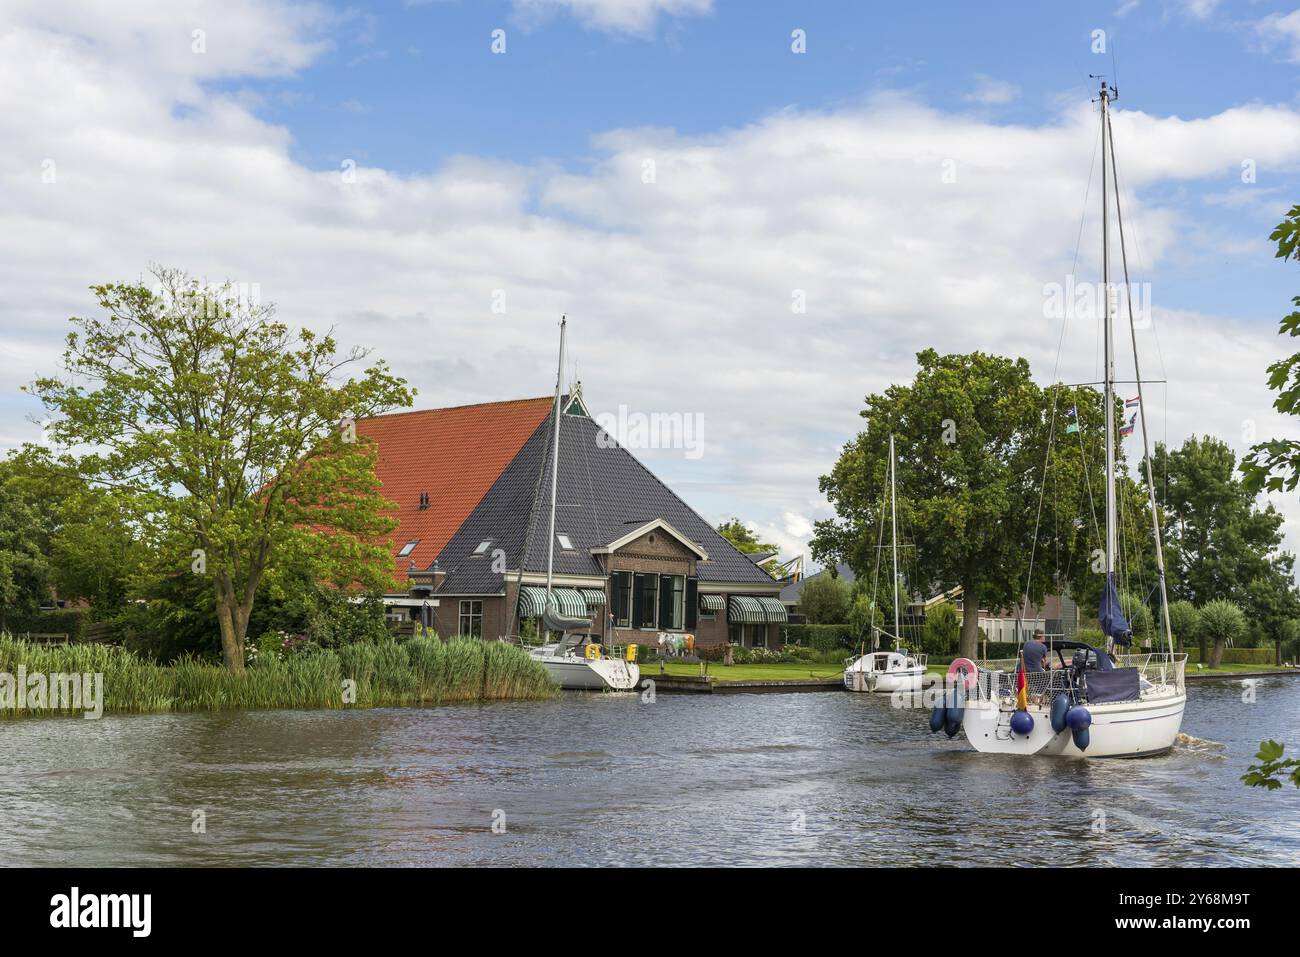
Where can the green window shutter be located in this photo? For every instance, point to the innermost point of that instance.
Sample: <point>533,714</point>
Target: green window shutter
<point>638,600</point>
<point>692,603</point>
<point>665,601</point>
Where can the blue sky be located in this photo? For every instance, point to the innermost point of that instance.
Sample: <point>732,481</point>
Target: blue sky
<point>410,86</point>
<point>779,176</point>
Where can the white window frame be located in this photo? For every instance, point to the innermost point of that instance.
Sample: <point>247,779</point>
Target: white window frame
<point>470,616</point>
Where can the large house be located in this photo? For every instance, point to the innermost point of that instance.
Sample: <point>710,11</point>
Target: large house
<point>472,488</point>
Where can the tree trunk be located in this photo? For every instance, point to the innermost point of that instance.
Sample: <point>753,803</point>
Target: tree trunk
<point>1216,658</point>
<point>232,628</point>
<point>968,644</point>
<point>1205,650</point>
<point>1277,658</point>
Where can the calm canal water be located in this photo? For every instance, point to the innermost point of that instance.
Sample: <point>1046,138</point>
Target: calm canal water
<point>609,780</point>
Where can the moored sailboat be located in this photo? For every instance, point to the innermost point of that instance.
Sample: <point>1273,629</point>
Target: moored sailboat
<point>887,672</point>
<point>576,660</point>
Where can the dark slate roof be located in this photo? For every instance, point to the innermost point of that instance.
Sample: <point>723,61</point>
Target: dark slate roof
<point>604,493</point>
<point>793,592</point>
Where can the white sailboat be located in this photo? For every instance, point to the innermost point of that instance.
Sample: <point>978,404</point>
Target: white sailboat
<point>886,672</point>
<point>1091,705</point>
<point>575,660</point>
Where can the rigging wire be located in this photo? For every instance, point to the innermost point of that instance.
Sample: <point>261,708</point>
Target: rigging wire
<point>1166,632</point>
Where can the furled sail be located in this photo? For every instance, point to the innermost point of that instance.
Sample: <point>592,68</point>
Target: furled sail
<point>555,620</point>
<point>1111,616</point>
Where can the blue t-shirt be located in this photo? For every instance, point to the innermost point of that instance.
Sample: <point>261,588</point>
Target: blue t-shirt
<point>1035,653</point>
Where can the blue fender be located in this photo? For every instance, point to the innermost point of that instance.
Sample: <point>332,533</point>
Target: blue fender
<point>938,718</point>
<point>1060,706</point>
<point>1022,722</point>
<point>1082,738</point>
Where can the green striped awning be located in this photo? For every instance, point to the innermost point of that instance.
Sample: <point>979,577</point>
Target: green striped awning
<point>776,611</point>
<point>746,611</point>
<point>567,601</point>
<point>593,596</point>
<point>532,601</point>
<point>712,603</point>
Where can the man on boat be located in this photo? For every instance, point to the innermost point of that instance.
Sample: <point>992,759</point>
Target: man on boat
<point>1035,652</point>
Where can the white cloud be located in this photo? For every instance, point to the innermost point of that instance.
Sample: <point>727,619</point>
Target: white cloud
<point>991,92</point>
<point>679,291</point>
<point>614,16</point>
<point>1281,31</point>
<point>1200,9</point>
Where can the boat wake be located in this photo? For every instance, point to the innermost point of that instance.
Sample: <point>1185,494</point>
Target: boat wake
<point>1187,742</point>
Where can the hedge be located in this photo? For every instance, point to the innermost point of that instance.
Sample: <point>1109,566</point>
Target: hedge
<point>1237,656</point>
<point>67,621</point>
<point>821,637</point>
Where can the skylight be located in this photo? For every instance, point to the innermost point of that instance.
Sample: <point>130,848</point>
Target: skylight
<point>483,546</point>
<point>408,548</point>
<point>564,541</point>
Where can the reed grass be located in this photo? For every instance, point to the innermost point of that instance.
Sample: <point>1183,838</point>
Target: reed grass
<point>422,671</point>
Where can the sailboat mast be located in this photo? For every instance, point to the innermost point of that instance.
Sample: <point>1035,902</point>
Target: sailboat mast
<point>893,506</point>
<point>1111,525</point>
<point>1168,628</point>
<point>555,466</point>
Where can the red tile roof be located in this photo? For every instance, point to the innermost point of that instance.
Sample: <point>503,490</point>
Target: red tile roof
<point>453,454</point>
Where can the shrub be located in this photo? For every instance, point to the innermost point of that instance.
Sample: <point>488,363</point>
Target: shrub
<point>1091,635</point>
<point>65,621</point>
<point>942,630</point>
<point>337,620</point>
<point>1185,621</point>
<point>825,600</point>
<point>1238,656</point>
<point>823,638</point>
<point>760,656</point>
<point>1221,622</point>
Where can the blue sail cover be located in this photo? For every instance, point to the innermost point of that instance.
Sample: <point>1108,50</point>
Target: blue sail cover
<point>1112,619</point>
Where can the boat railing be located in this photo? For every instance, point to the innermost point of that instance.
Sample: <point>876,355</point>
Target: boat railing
<point>996,680</point>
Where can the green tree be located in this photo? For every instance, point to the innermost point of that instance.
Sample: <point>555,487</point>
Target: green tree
<point>231,434</point>
<point>736,532</point>
<point>942,629</point>
<point>1221,544</point>
<point>1222,622</point>
<point>1275,464</point>
<point>826,600</point>
<point>972,435</point>
<point>1185,622</point>
<point>24,568</point>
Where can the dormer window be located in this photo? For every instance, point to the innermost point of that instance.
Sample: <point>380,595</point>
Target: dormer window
<point>565,542</point>
<point>408,548</point>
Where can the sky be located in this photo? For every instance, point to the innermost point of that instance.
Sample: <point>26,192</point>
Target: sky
<point>753,213</point>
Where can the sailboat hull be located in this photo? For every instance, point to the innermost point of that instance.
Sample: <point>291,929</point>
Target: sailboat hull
<point>591,674</point>
<point>1130,729</point>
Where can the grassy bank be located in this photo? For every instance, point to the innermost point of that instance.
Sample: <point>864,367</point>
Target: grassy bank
<point>800,670</point>
<point>422,671</point>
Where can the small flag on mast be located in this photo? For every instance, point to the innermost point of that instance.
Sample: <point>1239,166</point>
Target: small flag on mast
<point>1132,424</point>
<point>1133,402</point>
<point>1073,427</point>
